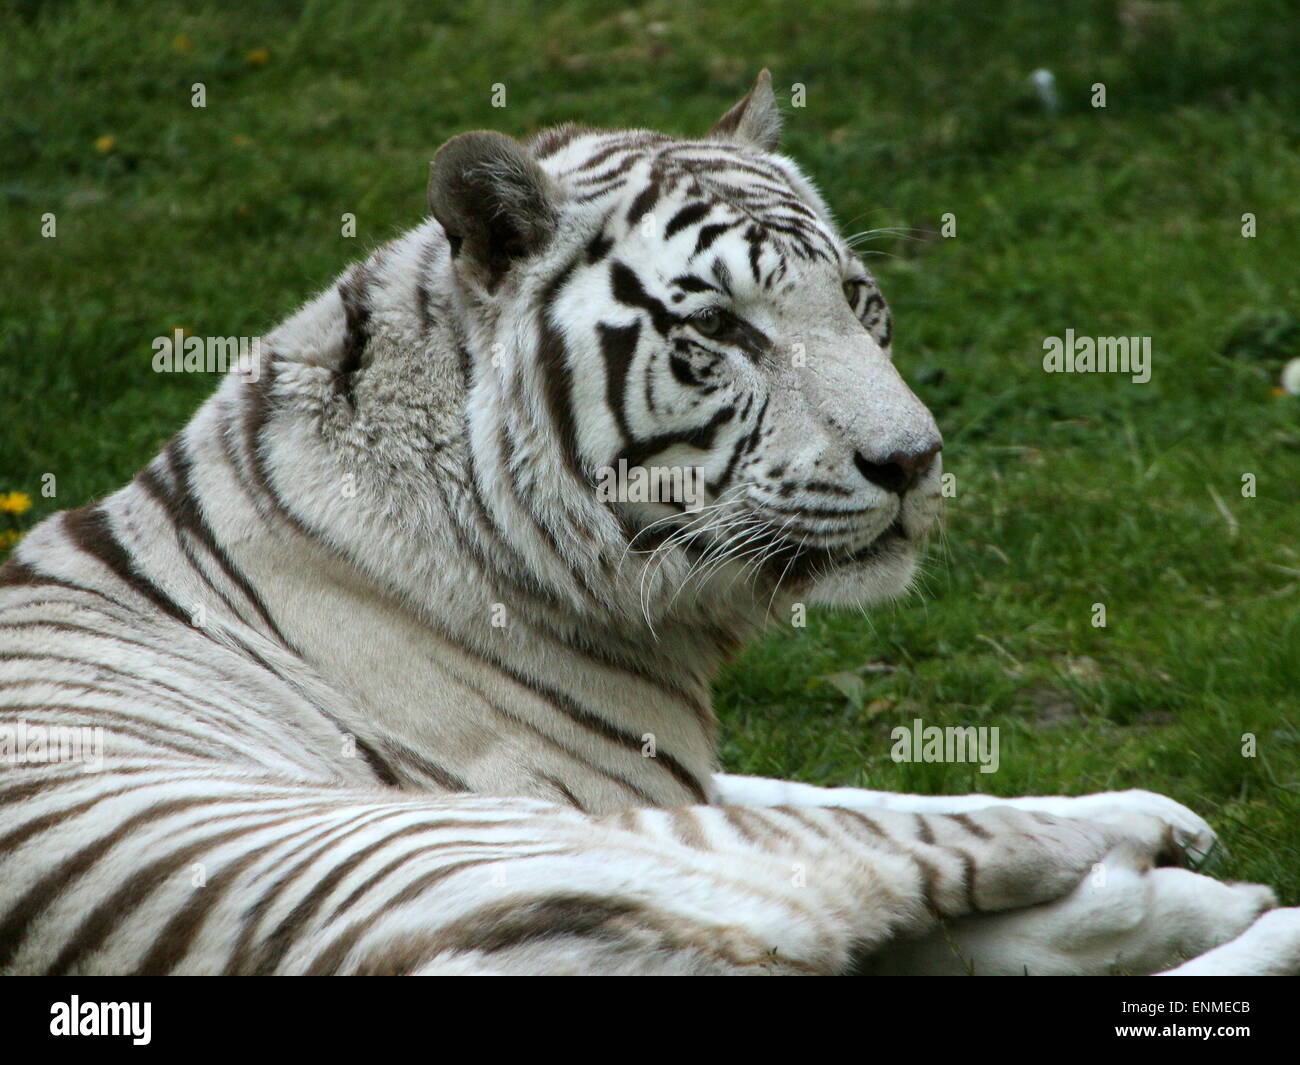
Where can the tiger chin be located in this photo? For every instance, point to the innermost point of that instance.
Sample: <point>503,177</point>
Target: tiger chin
<point>377,682</point>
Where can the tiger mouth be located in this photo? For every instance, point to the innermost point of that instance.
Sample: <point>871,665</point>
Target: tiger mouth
<point>788,562</point>
<point>792,562</point>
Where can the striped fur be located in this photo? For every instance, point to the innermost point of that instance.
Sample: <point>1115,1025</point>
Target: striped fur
<point>386,688</point>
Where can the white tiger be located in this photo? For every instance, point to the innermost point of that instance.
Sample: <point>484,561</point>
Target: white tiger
<point>387,688</point>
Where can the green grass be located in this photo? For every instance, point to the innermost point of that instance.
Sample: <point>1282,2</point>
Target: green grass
<point>1071,490</point>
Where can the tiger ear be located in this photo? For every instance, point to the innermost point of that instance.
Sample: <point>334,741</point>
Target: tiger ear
<point>755,121</point>
<point>495,203</point>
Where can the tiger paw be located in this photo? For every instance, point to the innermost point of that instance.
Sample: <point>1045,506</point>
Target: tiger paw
<point>1192,841</point>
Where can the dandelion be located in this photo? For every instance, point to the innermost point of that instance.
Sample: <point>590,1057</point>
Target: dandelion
<point>15,502</point>
<point>105,144</point>
<point>182,43</point>
<point>258,57</point>
<point>8,538</point>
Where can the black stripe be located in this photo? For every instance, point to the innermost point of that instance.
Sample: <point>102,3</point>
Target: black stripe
<point>443,777</point>
<point>354,293</point>
<point>422,278</point>
<point>186,510</point>
<point>755,237</point>
<point>502,926</point>
<point>383,771</point>
<point>929,884</point>
<point>743,445</point>
<point>550,141</point>
<point>970,825</point>
<point>153,484</point>
<point>969,869</point>
<point>708,235</point>
<point>622,144</point>
<point>700,437</point>
<point>618,346</point>
<point>563,789</point>
<point>88,529</point>
<point>273,946</point>
<point>644,202</point>
<point>552,357</point>
<point>628,290</point>
<point>15,574</point>
<point>598,247</point>
<point>689,214</point>
<point>722,274</point>
<point>602,184</point>
<point>465,364</point>
<point>258,409</point>
<point>691,283</point>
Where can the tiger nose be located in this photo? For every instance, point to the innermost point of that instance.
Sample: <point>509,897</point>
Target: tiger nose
<point>899,470</point>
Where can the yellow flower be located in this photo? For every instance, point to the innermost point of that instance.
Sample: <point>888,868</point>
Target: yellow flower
<point>15,502</point>
<point>258,57</point>
<point>182,43</point>
<point>105,144</point>
<point>8,538</point>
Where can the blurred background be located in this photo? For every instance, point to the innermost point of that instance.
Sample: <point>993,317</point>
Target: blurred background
<point>1126,219</point>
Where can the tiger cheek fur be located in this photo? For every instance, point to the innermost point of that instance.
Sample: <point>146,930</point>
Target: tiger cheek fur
<point>380,682</point>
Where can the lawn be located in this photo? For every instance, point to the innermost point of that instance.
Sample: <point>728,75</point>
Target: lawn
<point>1071,489</point>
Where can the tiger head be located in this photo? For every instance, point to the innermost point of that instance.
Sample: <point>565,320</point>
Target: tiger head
<point>710,358</point>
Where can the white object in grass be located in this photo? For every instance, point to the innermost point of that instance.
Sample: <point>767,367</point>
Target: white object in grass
<point>1045,82</point>
<point>1291,377</point>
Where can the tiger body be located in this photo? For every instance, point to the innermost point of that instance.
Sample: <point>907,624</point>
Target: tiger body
<point>387,688</point>
<point>275,592</point>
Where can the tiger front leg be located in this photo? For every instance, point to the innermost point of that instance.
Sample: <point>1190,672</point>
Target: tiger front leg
<point>1196,840</point>
<point>795,890</point>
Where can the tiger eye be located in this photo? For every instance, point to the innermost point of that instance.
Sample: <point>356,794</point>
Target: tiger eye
<point>707,322</point>
<point>851,291</point>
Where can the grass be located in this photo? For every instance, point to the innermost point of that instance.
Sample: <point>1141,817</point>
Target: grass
<point>1071,489</point>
